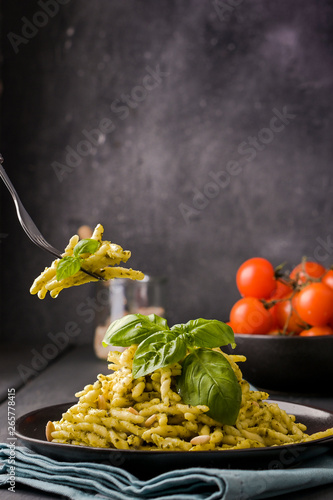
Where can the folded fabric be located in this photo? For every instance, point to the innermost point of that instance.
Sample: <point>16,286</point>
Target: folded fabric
<point>83,480</point>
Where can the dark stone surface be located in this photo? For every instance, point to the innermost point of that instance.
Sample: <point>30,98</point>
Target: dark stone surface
<point>150,181</point>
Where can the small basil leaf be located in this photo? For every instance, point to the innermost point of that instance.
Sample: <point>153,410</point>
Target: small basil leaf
<point>153,318</point>
<point>67,266</point>
<point>179,328</point>
<point>209,333</point>
<point>86,246</point>
<point>157,351</point>
<point>128,330</point>
<point>208,379</point>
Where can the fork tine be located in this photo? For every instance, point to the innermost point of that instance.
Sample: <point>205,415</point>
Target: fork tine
<point>42,243</point>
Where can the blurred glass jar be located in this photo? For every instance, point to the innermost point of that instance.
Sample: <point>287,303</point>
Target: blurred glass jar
<point>119,297</point>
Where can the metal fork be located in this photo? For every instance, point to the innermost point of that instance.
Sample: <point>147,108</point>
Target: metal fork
<point>28,224</point>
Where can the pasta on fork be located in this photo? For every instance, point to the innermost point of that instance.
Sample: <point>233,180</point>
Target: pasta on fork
<point>102,262</point>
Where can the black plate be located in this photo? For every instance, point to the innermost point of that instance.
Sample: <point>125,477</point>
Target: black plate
<point>30,429</point>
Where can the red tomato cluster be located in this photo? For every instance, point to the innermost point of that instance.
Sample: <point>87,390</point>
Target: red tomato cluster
<point>277,303</point>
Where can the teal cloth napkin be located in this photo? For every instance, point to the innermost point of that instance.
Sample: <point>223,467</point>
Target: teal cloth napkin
<point>83,480</point>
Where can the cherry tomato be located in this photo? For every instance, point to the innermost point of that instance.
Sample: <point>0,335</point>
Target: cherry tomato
<point>327,279</point>
<point>272,312</point>
<point>255,278</point>
<point>303,270</point>
<point>274,332</point>
<point>317,331</point>
<point>281,290</point>
<point>315,304</point>
<point>286,316</point>
<point>248,315</point>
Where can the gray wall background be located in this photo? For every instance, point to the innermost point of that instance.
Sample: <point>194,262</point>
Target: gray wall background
<point>223,72</point>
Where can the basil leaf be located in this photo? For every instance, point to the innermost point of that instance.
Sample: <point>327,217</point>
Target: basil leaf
<point>208,379</point>
<point>130,329</point>
<point>157,351</point>
<point>208,333</point>
<point>179,328</point>
<point>67,266</point>
<point>86,246</point>
<point>159,321</point>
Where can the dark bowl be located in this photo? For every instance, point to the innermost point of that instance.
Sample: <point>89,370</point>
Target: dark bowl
<point>286,364</point>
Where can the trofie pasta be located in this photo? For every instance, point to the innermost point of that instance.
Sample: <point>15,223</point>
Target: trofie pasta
<point>147,413</point>
<point>102,262</point>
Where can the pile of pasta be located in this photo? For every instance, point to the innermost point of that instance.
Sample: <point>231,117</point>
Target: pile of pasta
<point>101,262</point>
<point>148,414</point>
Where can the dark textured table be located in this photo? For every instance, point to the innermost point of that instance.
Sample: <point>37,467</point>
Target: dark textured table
<point>70,372</point>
